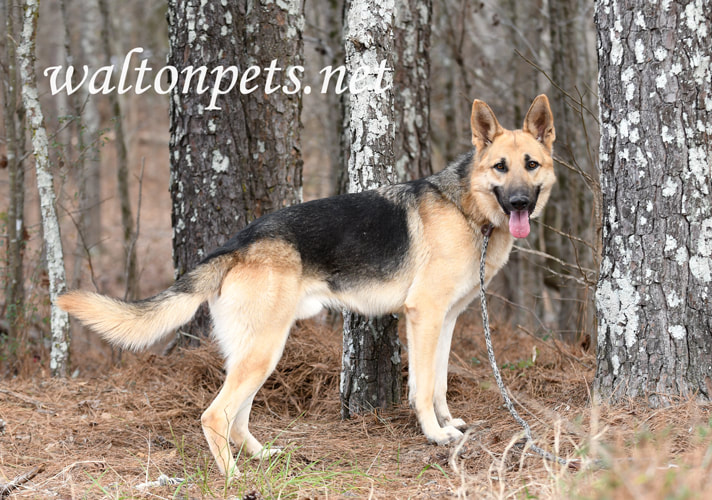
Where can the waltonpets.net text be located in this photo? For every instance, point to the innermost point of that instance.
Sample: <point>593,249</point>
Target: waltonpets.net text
<point>226,79</point>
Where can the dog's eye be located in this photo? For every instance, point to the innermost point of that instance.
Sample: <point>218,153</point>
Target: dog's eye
<point>500,166</point>
<point>532,165</point>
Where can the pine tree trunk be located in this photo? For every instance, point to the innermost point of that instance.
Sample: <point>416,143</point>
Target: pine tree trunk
<point>14,291</point>
<point>412,20</point>
<point>330,15</point>
<point>91,193</point>
<point>231,165</point>
<point>59,321</point>
<point>371,372</point>
<point>86,124</point>
<point>654,297</point>
<point>524,276</point>
<point>571,200</point>
<point>122,168</point>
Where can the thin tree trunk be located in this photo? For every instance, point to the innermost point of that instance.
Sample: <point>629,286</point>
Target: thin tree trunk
<point>525,276</point>
<point>234,164</point>
<point>15,292</point>
<point>59,321</point>
<point>122,168</point>
<point>91,120</point>
<point>78,162</point>
<point>412,21</point>
<point>332,54</point>
<point>572,199</point>
<point>371,372</point>
<point>654,296</point>
<point>87,123</point>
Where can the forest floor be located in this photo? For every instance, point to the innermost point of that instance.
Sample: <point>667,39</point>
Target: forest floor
<point>113,430</point>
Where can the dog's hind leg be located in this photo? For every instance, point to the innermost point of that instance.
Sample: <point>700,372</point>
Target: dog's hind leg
<point>243,438</point>
<point>239,433</point>
<point>228,414</point>
<point>252,317</point>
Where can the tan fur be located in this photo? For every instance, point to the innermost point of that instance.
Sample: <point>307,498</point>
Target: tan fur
<point>140,324</point>
<point>255,295</point>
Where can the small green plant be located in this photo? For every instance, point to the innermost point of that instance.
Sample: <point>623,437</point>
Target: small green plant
<point>522,364</point>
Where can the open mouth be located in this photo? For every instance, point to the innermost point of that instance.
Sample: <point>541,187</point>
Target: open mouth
<point>518,206</point>
<point>519,223</point>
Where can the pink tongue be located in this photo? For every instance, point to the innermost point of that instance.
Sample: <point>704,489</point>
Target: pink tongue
<point>519,223</point>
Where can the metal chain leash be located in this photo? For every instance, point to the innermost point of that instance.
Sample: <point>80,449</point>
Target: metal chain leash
<point>487,232</point>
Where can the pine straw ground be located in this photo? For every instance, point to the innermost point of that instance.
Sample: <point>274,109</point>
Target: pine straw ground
<point>106,436</point>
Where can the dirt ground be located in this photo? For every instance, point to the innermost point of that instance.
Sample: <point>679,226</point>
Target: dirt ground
<point>109,433</point>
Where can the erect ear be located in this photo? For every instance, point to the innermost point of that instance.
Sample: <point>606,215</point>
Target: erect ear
<point>485,126</point>
<point>539,122</point>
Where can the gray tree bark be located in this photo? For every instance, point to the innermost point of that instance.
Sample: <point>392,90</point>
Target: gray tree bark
<point>59,321</point>
<point>13,114</point>
<point>654,297</point>
<point>122,168</point>
<point>525,284</point>
<point>411,46</point>
<point>572,200</point>
<point>91,120</point>
<point>371,371</point>
<point>86,126</point>
<point>231,165</point>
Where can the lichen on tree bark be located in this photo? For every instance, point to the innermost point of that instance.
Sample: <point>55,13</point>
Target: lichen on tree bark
<point>370,376</point>
<point>655,287</point>
<point>231,165</point>
<point>59,321</point>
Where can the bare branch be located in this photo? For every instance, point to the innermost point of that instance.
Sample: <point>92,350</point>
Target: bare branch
<point>6,489</point>
<point>558,261</point>
<point>87,248</point>
<point>131,251</point>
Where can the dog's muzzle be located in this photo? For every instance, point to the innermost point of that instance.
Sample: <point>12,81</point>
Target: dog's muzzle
<point>518,204</point>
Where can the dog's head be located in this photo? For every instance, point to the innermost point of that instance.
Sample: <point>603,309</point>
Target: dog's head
<point>513,170</point>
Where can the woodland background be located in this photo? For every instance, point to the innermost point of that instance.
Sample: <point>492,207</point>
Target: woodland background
<point>501,54</point>
<point>122,419</point>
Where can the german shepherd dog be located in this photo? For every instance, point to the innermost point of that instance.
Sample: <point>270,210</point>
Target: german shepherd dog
<point>412,247</point>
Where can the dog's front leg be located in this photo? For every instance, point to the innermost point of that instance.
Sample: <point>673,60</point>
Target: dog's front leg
<point>425,325</point>
<point>442,412</point>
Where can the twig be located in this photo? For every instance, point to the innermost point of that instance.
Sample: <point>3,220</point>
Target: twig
<point>51,137</point>
<point>554,84</point>
<point>583,271</point>
<point>87,249</point>
<point>543,325</point>
<point>559,261</point>
<point>566,235</point>
<point>554,347</point>
<point>587,178</point>
<point>134,238</point>
<point>25,399</point>
<point>6,489</point>
<point>325,47</point>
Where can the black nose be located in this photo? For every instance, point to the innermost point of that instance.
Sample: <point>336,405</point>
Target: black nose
<point>519,201</point>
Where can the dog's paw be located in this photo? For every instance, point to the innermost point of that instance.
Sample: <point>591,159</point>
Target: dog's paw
<point>457,423</point>
<point>445,435</point>
<point>268,452</point>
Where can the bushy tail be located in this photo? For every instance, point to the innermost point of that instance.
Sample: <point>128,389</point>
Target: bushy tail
<point>134,325</point>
